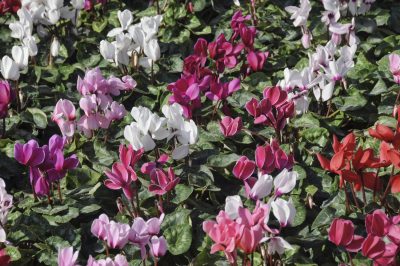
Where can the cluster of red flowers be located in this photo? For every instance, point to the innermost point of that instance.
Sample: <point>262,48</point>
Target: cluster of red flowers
<point>382,242</point>
<point>202,70</point>
<point>9,6</point>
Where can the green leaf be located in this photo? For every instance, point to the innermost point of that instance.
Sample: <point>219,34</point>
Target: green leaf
<point>99,25</point>
<point>13,252</point>
<point>39,117</point>
<point>179,238</point>
<point>182,193</point>
<point>222,160</point>
<point>324,218</point>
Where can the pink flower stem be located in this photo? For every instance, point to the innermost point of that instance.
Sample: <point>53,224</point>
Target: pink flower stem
<point>376,183</point>
<point>354,195</point>
<point>137,198</point>
<point>350,259</point>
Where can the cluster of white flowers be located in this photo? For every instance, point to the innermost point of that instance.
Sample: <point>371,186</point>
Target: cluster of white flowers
<point>40,13</point>
<point>133,40</point>
<point>149,126</point>
<point>6,202</point>
<point>329,64</point>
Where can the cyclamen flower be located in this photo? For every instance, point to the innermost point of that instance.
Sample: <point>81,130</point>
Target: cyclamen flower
<point>47,164</point>
<point>341,233</point>
<point>271,157</point>
<point>300,14</point>
<point>394,66</point>
<point>5,259</point>
<point>162,182</point>
<point>67,257</point>
<point>6,97</point>
<point>243,168</point>
<point>229,126</point>
<point>9,6</point>
<point>119,260</point>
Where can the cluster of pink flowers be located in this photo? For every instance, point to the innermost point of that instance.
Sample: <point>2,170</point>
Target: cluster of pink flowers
<point>47,164</point>
<point>273,110</point>
<point>382,243</point>
<point>143,234</point>
<point>123,173</point>
<point>97,104</point>
<point>6,97</point>
<point>221,54</point>
<point>269,157</point>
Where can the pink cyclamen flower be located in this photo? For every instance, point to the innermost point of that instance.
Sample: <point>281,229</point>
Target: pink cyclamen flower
<point>129,157</point>
<point>271,157</point>
<point>29,154</point>
<point>158,246</point>
<point>373,247</point>
<point>229,126</point>
<point>162,182</point>
<point>251,228</point>
<point>377,223</point>
<point>98,227</point>
<point>64,116</point>
<point>394,66</point>
<point>6,96</point>
<point>67,257</point>
<point>244,168</point>
<point>224,232</point>
<point>341,233</point>
<point>116,234</point>
<point>119,260</point>
<point>257,60</point>
<point>120,178</point>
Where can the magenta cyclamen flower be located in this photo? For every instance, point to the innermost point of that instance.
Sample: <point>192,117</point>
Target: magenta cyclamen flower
<point>271,157</point>
<point>229,126</point>
<point>120,178</point>
<point>29,154</point>
<point>6,96</point>
<point>224,53</point>
<point>162,182</point>
<point>244,168</point>
<point>221,91</point>
<point>273,110</point>
<point>47,164</point>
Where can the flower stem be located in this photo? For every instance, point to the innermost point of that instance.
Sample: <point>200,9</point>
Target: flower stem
<point>59,192</point>
<point>354,195</point>
<point>350,259</point>
<point>17,96</point>
<point>383,199</point>
<point>106,247</point>
<point>3,132</point>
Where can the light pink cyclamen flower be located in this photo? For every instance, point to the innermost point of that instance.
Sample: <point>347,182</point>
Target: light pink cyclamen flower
<point>67,257</point>
<point>64,115</point>
<point>158,246</point>
<point>119,260</point>
<point>394,61</point>
<point>98,227</point>
<point>117,234</point>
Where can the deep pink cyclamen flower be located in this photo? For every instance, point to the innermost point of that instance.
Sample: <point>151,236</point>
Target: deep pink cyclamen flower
<point>5,259</point>
<point>373,247</point>
<point>237,21</point>
<point>224,53</point>
<point>394,66</point>
<point>225,234</point>
<point>377,223</point>
<point>162,182</point>
<point>247,34</point>
<point>221,91</point>
<point>341,233</point>
<point>229,126</point>
<point>271,157</point>
<point>244,168</point>
<point>129,157</point>
<point>275,111</point>
<point>120,178</point>
<point>6,97</point>
<point>256,60</point>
